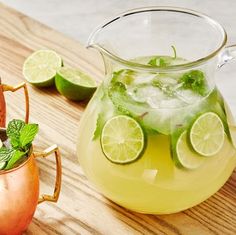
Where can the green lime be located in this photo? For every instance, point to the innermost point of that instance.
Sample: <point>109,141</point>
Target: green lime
<point>184,155</point>
<point>122,139</point>
<point>207,134</point>
<point>40,67</point>
<point>74,84</point>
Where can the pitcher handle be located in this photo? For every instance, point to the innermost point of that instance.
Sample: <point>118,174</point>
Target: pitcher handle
<point>15,88</point>
<point>228,55</point>
<point>57,188</point>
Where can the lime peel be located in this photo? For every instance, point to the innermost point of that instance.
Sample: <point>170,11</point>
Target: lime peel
<point>74,84</point>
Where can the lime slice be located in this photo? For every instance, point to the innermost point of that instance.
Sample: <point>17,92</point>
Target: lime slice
<point>207,134</point>
<point>184,155</point>
<point>74,84</point>
<point>122,139</point>
<point>40,67</point>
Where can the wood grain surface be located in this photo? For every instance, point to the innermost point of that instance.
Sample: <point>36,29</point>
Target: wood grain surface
<point>81,209</point>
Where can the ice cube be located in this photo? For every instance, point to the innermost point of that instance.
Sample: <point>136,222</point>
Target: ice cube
<point>144,93</point>
<point>171,103</point>
<point>144,78</point>
<point>188,96</point>
<point>165,80</point>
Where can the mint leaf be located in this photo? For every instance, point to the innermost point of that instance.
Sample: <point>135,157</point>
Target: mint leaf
<point>99,125</point>
<point>194,80</point>
<point>153,61</point>
<point>126,76</point>
<point>2,165</point>
<point>21,136</point>
<point>13,131</point>
<point>163,61</point>
<point>27,134</point>
<point>14,127</point>
<point>158,62</point>
<point>16,156</point>
<point>5,154</point>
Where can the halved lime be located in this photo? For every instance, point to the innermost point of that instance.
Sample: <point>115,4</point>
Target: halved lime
<point>184,155</point>
<point>207,134</point>
<point>74,84</point>
<point>122,139</point>
<point>40,67</point>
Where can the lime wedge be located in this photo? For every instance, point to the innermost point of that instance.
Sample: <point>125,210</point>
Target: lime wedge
<point>74,84</point>
<point>184,155</point>
<point>207,134</point>
<point>40,67</point>
<point>122,139</point>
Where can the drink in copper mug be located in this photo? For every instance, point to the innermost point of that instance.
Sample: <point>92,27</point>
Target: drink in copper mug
<point>19,186</point>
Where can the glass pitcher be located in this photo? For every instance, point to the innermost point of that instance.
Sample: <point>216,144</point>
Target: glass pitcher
<point>157,136</point>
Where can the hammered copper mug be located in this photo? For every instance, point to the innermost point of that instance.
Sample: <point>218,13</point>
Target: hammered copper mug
<point>19,187</point>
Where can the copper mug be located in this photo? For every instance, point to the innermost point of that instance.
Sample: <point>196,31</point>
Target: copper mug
<point>19,187</point>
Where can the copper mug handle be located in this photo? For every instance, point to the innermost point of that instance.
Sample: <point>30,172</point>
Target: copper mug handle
<point>53,149</point>
<point>15,88</point>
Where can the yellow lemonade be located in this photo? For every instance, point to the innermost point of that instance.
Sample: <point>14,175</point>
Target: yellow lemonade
<point>152,184</point>
<point>155,182</point>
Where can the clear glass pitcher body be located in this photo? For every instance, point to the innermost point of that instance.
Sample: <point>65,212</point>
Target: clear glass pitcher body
<point>156,137</point>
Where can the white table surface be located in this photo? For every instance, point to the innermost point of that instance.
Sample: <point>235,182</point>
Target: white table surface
<point>77,18</point>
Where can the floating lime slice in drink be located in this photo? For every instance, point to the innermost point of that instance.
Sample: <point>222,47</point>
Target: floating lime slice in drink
<point>122,139</point>
<point>74,84</point>
<point>186,156</point>
<point>207,134</point>
<point>40,67</point>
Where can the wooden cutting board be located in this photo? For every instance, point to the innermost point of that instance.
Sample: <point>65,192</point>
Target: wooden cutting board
<point>81,209</point>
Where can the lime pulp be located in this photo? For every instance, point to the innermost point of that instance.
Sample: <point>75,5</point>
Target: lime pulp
<point>207,134</point>
<point>185,155</point>
<point>122,139</point>
<point>40,67</point>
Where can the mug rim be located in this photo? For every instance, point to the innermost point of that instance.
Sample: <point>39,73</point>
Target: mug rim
<point>92,44</point>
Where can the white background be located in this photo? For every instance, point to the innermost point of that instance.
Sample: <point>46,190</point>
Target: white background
<point>77,18</point>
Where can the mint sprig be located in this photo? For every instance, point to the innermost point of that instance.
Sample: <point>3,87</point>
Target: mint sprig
<point>27,134</point>
<point>194,80</point>
<point>16,156</point>
<point>13,131</point>
<point>158,62</point>
<point>5,154</point>
<point>162,61</point>
<point>21,136</point>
